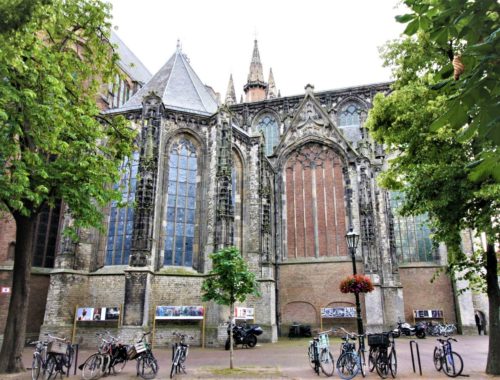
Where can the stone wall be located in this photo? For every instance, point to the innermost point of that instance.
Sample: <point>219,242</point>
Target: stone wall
<point>419,293</point>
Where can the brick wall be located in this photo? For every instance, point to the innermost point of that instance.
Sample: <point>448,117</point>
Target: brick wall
<point>307,287</point>
<point>420,293</point>
<point>7,236</point>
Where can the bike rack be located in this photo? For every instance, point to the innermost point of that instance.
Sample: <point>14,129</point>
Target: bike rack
<point>414,343</point>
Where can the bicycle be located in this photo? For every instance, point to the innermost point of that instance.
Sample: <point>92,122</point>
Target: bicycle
<point>58,354</point>
<point>446,359</point>
<point>319,354</point>
<point>147,365</point>
<point>383,356</point>
<point>39,358</point>
<point>351,360</point>
<point>180,352</point>
<point>110,356</point>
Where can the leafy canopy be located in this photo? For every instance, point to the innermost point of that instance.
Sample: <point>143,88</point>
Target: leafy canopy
<point>55,145</point>
<point>469,30</point>
<point>230,279</point>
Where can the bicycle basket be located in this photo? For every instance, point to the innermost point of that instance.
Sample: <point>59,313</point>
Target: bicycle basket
<point>323,341</point>
<point>380,340</point>
<point>57,347</point>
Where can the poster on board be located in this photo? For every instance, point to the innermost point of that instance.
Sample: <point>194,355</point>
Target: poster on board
<point>244,313</point>
<point>338,312</point>
<point>97,314</point>
<point>179,312</point>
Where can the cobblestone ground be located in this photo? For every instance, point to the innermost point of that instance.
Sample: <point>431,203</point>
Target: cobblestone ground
<point>287,360</point>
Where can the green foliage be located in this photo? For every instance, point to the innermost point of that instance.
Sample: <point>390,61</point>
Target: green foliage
<point>471,30</point>
<point>15,13</point>
<point>230,280</point>
<point>55,145</point>
<point>432,167</point>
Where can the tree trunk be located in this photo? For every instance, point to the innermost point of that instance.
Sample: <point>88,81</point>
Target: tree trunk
<point>15,329</point>
<point>231,340</point>
<point>493,363</point>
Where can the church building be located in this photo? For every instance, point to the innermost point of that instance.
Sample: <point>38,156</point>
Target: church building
<point>283,179</point>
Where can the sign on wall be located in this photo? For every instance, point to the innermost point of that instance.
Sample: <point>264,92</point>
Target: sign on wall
<point>179,312</point>
<point>244,313</point>
<point>435,313</point>
<point>338,312</point>
<point>98,314</point>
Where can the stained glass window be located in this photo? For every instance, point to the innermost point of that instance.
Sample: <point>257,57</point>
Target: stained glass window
<point>412,235</point>
<point>121,219</point>
<point>268,125</point>
<point>349,115</point>
<point>181,204</point>
<point>237,194</point>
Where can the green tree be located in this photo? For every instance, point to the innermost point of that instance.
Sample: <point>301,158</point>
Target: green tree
<point>229,281</point>
<point>433,166</point>
<point>55,145</point>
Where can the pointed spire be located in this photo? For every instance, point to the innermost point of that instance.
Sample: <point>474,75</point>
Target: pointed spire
<point>271,89</point>
<point>255,73</point>
<point>255,88</point>
<point>179,46</point>
<point>230,93</point>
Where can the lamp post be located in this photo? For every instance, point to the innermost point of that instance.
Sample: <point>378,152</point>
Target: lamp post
<point>352,243</point>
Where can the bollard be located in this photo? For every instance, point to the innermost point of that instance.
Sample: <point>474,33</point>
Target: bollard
<point>75,359</point>
<point>418,356</point>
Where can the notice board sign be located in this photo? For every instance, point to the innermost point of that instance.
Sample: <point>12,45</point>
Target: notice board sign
<point>179,312</point>
<point>98,314</point>
<point>431,313</point>
<point>244,313</point>
<point>338,312</point>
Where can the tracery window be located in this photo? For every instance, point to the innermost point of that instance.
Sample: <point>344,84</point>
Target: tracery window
<point>411,235</point>
<point>237,194</point>
<point>45,236</point>
<point>315,207</point>
<point>350,115</point>
<point>181,203</point>
<point>121,219</point>
<point>269,126</point>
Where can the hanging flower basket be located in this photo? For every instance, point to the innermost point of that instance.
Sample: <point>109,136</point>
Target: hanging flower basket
<point>356,284</point>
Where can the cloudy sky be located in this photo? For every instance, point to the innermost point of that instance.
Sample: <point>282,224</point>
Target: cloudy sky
<point>327,43</point>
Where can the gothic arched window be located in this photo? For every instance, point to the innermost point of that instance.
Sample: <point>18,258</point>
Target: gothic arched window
<point>181,203</point>
<point>411,235</point>
<point>315,207</point>
<point>121,219</point>
<point>350,115</point>
<point>237,195</point>
<point>269,126</point>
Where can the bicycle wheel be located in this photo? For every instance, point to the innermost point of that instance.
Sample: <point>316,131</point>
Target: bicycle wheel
<point>310,355</point>
<point>92,368</point>
<point>348,365</point>
<point>382,364</point>
<point>175,363</point>
<point>147,366</point>
<point>361,358</point>
<point>36,364</point>
<point>372,358</point>
<point>437,358</point>
<point>118,365</point>
<point>49,371</point>
<point>393,363</point>
<point>326,362</point>
<point>453,364</point>
<point>68,358</point>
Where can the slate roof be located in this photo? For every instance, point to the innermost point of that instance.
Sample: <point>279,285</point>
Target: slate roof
<point>178,86</point>
<point>129,63</point>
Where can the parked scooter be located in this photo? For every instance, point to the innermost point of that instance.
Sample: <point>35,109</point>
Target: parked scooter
<point>244,335</point>
<point>405,328</point>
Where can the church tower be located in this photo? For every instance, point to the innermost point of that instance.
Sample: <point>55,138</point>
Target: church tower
<point>255,88</point>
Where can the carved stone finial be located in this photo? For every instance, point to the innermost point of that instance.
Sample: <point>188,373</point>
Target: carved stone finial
<point>179,46</point>
<point>309,89</point>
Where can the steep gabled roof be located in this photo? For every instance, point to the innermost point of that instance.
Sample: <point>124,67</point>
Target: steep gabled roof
<point>129,61</point>
<point>178,86</point>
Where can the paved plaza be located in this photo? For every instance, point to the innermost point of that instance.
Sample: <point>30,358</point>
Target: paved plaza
<point>287,360</point>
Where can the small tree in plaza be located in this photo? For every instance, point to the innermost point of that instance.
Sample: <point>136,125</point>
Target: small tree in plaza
<point>229,281</point>
<point>55,144</point>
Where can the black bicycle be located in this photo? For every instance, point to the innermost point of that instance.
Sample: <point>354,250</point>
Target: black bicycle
<point>147,365</point>
<point>319,354</point>
<point>351,360</point>
<point>59,356</point>
<point>180,352</point>
<point>446,359</point>
<point>382,356</point>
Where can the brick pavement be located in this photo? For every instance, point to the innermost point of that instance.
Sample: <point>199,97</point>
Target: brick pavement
<point>287,360</point>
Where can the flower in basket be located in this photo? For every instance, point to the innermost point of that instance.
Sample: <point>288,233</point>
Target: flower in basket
<point>357,283</point>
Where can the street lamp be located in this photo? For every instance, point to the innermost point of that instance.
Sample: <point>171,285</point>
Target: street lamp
<point>352,243</point>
